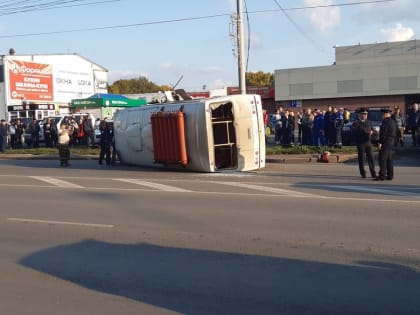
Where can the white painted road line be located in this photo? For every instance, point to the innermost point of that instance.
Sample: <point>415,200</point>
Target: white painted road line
<point>374,190</point>
<point>291,193</point>
<point>61,222</point>
<point>152,185</point>
<point>56,182</point>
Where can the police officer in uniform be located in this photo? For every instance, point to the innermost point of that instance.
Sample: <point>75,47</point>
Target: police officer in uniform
<point>105,143</point>
<point>362,131</point>
<point>387,135</point>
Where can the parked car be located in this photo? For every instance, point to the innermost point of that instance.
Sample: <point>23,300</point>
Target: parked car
<point>374,116</point>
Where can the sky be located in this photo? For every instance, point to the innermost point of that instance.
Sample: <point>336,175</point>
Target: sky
<point>167,41</point>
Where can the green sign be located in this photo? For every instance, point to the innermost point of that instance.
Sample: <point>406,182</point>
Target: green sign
<point>107,102</point>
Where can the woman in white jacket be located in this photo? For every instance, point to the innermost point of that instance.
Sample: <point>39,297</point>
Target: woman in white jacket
<point>63,143</point>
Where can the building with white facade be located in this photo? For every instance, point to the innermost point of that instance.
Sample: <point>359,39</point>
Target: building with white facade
<point>373,75</point>
<point>41,85</point>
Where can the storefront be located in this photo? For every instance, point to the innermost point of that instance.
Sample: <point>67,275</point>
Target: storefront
<point>36,86</point>
<point>37,111</point>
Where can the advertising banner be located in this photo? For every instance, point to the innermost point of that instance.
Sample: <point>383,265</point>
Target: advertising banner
<point>73,80</point>
<point>30,80</point>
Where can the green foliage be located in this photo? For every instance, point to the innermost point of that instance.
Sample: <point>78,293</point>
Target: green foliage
<point>276,150</point>
<point>75,150</point>
<point>134,86</point>
<point>259,78</point>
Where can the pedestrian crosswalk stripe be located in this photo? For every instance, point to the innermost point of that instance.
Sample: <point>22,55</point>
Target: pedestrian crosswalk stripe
<point>96,225</point>
<point>287,192</point>
<point>152,185</point>
<point>56,182</point>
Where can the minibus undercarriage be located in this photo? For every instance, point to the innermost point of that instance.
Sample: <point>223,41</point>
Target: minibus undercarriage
<point>224,137</point>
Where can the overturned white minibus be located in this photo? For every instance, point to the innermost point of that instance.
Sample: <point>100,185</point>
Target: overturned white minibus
<point>208,135</point>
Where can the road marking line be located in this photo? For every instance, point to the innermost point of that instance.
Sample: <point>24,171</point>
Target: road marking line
<point>56,182</point>
<point>276,195</point>
<point>152,185</point>
<point>287,192</point>
<point>374,190</point>
<point>413,250</point>
<point>25,185</point>
<point>61,222</point>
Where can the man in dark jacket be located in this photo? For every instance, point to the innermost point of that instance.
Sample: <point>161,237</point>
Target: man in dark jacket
<point>387,134</point>
<point>3,135</point>
<point>34,129</point>
<point>105,143</point>
<point>414,123</point>
<point>400,121</point>
<point>89,131</point>
<point>362,131</point>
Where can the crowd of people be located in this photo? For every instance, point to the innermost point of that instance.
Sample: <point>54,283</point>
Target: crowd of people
<point>12,135</point>
<point>70,132</point>
<point>18,135</point>
<point>325,127</point>
<point>314,127</point>
<point>106,143</point>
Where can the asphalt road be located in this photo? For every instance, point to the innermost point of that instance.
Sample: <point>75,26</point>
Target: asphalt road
<point>289,239</point>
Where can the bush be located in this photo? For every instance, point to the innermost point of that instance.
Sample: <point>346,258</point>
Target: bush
<point>274,150</point>
<point>54,151</point>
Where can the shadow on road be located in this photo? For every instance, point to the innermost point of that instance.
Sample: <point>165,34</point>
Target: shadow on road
<point>208,282</point>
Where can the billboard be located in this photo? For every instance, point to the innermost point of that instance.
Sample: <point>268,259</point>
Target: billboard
<point>30,80</point>
<point>72,81</point>
<point>52,78</point>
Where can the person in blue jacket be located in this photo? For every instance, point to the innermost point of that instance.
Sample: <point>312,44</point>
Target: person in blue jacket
<point>318,129</point>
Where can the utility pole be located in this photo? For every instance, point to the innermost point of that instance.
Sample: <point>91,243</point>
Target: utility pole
<point>240,41</point>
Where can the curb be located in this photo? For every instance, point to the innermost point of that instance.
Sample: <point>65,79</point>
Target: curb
<point>308,158</point>
<point>282,159</point>
<point>44,157</point>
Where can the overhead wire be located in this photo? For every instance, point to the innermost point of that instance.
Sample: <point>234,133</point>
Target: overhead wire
<point>295,24</point>
<point>116,26</point>
<point>299,29</point>
<point>16,7</point>
<point>284,10</point>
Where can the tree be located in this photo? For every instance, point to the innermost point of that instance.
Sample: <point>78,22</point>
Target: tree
<point>259,78</point>
<point>135,86</point>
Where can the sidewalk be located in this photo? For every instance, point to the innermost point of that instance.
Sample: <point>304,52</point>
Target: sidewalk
<point>44,157</point>
<point>307,158</point>
<point>282,158</point>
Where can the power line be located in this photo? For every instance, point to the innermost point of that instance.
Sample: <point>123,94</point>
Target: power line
<point>300,30</point>
<point>116,26</point>
<point>16,7</point>
<point>303,33</point>
<point>324,6</point>
<point>204,17</point>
